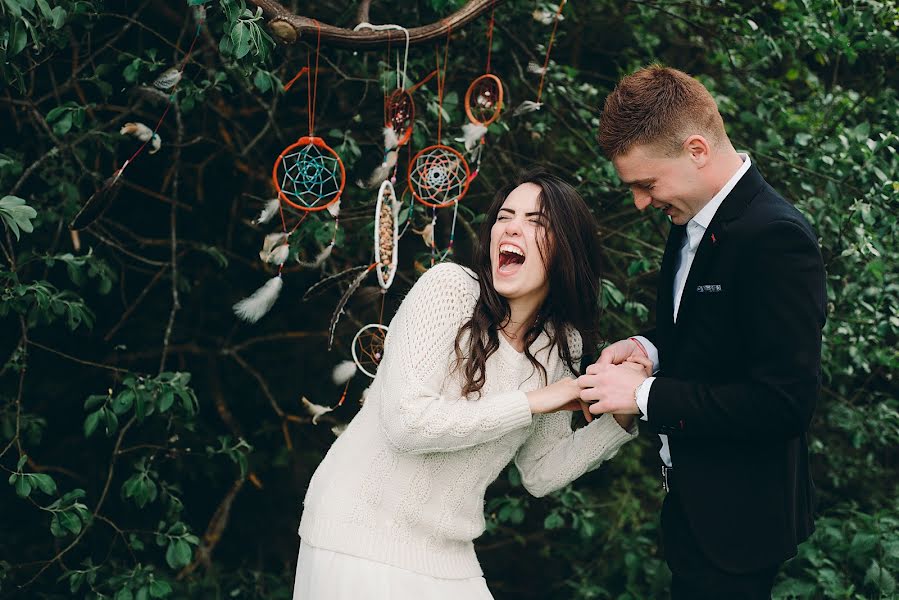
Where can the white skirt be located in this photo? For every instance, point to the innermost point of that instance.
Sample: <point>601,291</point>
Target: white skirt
<point>325,575</point>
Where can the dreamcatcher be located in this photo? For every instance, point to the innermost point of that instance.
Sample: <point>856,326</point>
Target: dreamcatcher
<point>399,111</point>
<point>438,175</point>
<point>483,104</point>
<point>546,18</point>
<point>309,177</point>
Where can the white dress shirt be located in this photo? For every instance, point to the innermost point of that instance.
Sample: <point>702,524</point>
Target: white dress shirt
<point>696,228</point>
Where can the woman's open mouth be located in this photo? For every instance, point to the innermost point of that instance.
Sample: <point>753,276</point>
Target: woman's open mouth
<point>511,257</point>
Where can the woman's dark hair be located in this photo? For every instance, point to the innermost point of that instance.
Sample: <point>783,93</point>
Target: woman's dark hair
<point>571,255</point>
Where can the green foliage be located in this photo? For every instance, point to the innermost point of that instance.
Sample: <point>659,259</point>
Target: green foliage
<point>163,417</point>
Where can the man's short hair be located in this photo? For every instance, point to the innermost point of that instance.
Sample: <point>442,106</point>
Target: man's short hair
<point>661,107</point>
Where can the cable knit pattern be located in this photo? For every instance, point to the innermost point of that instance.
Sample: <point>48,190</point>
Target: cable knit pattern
<point>405,483</point>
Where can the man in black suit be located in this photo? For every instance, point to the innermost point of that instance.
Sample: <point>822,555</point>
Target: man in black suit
<point>736,349</point>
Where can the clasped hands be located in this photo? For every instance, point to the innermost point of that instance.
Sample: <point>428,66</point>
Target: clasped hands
<point>607,387</point>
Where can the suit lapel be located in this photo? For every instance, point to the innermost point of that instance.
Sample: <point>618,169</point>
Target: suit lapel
<point>715,237</point>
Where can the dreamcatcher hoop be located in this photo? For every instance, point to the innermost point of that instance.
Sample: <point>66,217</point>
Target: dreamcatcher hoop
<point>438,176</point>
<point>374,352</point>
<point>386,235</point>
<point>487,93</point>
<point>399,113</point>
<point>310,172</point>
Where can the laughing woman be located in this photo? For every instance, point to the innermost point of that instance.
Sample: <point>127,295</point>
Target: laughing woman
<point>477,370</point>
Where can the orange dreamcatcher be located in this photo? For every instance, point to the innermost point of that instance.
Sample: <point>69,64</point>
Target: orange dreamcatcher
<point>309,177</point>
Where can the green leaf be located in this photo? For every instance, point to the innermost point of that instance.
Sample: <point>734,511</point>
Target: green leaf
<point>160,588</point>
<point>91,422</point>
<point>18,38</point>
<point>58,18</point>
<point>70,521</point>
<point>553,521</point>
<point>23,486</point>
<point>45,483</point>
<point>178,554</point>
<point>166,401</point>
<point>240,36</point>
<point>124,594</point>
<point>122,403</point>
<point>110,421</point>
<point>21,463</point>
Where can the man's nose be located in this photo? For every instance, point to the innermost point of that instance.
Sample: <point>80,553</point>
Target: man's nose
<point>642,200</point>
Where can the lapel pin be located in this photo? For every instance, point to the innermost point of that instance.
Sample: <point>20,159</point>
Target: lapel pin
<point>714,239</point>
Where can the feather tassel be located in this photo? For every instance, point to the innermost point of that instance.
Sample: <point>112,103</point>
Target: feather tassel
<point>391,140</point>
<point>381,171</point>
<point>144,134</point>
<point>271,245</point>
<point>253,308</point>
<point>270,210</point>
<point>320,258</point>
<point>316,410</point>
<point>341,304</point>
<point>472,134</point>
<point>528,106</point>
<point>343,372</point>
<point>327,282</point>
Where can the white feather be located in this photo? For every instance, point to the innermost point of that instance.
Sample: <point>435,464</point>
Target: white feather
<point>271,244</point>
<point>535,68</point>
<point>338,429</point>
<point>391,141</point>
<point>316,410</point>
<point>253,308</point>
<point>472,133</point>
<point>527,106</point>
<point>155,143</point>
<point>343,372</point>
<point>167,79</point>
<point>137,130</point>
<point>334,209</point>
<point>382,171</point>
<point>270,210</point>
<point>279,254</point>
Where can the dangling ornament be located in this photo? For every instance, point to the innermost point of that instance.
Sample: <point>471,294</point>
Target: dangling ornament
<point>529,105</point>
<point>483,105</point>
<point>309,177</point>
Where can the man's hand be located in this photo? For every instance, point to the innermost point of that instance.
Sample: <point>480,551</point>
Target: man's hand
<point>611,387</point>
<point>620,352</point>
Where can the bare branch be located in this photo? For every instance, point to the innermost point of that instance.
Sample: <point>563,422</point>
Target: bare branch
<point>290,28</point>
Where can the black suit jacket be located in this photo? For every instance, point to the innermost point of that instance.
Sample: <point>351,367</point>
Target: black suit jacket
<point>740,376</point>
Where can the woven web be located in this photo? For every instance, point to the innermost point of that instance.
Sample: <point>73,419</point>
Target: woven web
<point>438,176</point>
<point>368,348</point>
<point>400,112</point>
<point>484,100</point>
<point>310,176</point>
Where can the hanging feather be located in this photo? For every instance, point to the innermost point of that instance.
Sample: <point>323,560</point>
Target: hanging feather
<point>528,106</point>
<point>536,69</point>
<point>316,410</point>
<point>343,372</point>
<point>472,134</point>
<point>338,310</point>
<point>391,141</point>
<point>144,134</point>
<point>381,171</point>
<point>270,210</point>
<point>167,79</point>
<point>427,234</point>
<point>253,308</point>
<point>327,282</point>
<point>338,429</point>
<point>279,255</point>
<point>320,258</point>
<point>334,209</point>
<point>545,16</point>
<point>98,203</point>
<point>271,244</point>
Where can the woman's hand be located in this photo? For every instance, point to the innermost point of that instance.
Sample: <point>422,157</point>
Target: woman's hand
<point>561,395</point>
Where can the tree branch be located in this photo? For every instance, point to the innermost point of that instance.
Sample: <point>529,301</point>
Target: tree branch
<point>290,28</point>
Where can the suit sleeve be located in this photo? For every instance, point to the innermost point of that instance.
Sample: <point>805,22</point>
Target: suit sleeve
<point>782,308</point>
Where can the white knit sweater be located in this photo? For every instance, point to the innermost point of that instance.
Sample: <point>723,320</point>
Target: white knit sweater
<point>405,483</point>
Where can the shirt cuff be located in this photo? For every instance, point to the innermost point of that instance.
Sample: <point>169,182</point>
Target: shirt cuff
<point>651,351</point>
<point>643,397</point>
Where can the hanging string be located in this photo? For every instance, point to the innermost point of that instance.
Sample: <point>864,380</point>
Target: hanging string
<point>313,83</point>
<point>441,82</point>
<point>490,35</point>
<point>290,83</point>
<point>171,100</point>
<point>549,48</point>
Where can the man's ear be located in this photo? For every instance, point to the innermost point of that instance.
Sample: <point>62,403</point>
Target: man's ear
<point>699,150</point>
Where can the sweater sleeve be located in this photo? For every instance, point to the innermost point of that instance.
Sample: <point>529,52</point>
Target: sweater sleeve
<point>419,354</point>
<point>554,455</point>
